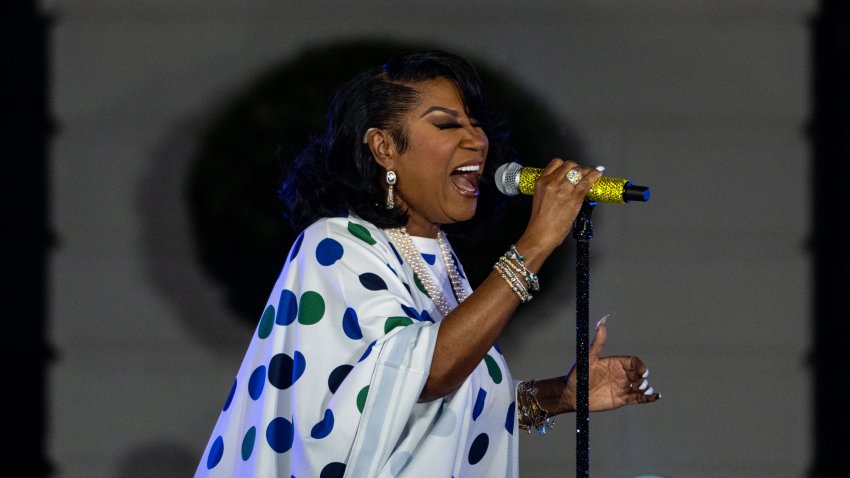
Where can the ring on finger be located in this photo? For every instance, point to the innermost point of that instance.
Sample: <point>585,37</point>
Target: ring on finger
<point>574,176</point>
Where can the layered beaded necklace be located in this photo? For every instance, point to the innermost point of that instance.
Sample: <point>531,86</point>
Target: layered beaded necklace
<point>401,239</point>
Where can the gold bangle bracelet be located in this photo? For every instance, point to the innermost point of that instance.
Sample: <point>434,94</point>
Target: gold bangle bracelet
<point>512,281</point>
<point>530,278</point>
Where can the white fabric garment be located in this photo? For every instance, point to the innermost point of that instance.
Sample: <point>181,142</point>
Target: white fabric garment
<point>330,382</point>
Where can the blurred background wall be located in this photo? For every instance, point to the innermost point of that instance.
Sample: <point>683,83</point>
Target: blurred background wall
<point>711,282</point>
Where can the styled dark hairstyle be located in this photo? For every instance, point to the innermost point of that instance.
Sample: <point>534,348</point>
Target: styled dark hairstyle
<point>336,173</point>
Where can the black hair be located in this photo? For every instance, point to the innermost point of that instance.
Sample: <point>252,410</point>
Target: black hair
<point>336,173</point>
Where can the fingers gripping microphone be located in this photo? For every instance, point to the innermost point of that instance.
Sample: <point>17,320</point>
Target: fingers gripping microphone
<point>512,179</point>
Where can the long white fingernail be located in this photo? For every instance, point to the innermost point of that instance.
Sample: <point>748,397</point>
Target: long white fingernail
<point>645,373</point>
<point>600,168</point>
<point>602,321</point>
<point>649,391</point>
<point>643,385</point>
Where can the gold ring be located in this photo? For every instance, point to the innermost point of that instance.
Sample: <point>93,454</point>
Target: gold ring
<point>574,176</point>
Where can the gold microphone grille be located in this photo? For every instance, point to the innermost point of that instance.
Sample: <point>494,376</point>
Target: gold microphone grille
<point>608,190</point>
<point>605,189</point>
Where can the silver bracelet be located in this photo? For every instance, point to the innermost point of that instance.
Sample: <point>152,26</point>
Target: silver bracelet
<point>531,414</point>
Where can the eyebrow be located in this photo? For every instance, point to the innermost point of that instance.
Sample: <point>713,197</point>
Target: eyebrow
<point>440,108</point>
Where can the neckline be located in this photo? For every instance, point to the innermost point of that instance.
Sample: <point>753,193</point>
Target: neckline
<point>413,256</point>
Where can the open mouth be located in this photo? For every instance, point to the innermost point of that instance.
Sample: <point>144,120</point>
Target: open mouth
<point>465,180</point>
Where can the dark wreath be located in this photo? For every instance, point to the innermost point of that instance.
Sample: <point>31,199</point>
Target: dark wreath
<point>234,176</point>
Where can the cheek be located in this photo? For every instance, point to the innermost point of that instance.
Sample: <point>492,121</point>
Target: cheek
<point>431,158</point>
<point>439,153</point>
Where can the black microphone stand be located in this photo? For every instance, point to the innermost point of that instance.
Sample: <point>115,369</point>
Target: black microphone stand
<point>583,233</point>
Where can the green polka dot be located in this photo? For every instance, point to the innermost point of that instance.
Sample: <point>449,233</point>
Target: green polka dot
<point>361,398</point>
<point>311,308</point>
<point>266,323</point>
<point>394,322</point>
<point>419,284</point>
<point>493,368</point>
<point>361,233</point>
<point>248,443</point>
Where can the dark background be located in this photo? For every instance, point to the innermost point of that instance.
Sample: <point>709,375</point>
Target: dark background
<point>68,234</point>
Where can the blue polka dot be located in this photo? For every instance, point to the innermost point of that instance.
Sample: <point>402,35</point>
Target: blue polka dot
<point>287,308</point>
<point>393,270</point>
<point>256,382</point>
<point>426,317</point>
<point>337,376</point>
<point>328,251</point>
<point>478,448</point>
<point>296,247</point>
<point>411,312</point>
<point>279,434</point>
<point>333,470</point>
<point>229,398</point>
<point>372,281</point>
<point>510,418</point>
<point>367,352</point>
<point>285,370</point>
<point>429,258</point>
<point>498,349</point>
<point>324,427</point>
<point>479,404</point>
<point>351,325</point>
<point>397,255</point>
<point>216,452</point>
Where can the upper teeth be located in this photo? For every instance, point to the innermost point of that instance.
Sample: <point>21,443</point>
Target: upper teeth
<point>469,168</point>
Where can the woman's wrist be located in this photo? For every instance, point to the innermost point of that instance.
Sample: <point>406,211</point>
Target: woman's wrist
<point>531,413</point>
<point>533,253</point>
<point>555,394</point>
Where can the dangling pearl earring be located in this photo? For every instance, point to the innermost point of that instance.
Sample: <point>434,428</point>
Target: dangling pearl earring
<point>391,179</point>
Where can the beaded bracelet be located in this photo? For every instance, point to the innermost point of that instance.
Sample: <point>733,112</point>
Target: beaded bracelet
<point>513,281</point>
<point>519,260</point>
<point>514,254</point>
<point>531,414</point>
<point>533,284</point>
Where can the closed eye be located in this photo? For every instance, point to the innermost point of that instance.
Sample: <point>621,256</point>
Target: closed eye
<point>453,125</point>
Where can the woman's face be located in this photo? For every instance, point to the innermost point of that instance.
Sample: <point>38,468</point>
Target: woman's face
<point>438,173</point>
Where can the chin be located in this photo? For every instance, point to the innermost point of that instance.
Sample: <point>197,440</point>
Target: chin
<point>466,215</point>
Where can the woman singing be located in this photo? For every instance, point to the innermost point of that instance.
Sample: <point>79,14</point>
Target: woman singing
<point>373,357</point>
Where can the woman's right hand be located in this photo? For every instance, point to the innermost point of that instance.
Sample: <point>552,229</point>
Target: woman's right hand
<point>554,208</point>
<point>468,332</point>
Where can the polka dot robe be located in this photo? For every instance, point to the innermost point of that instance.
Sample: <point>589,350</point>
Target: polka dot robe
<point>329,385</point>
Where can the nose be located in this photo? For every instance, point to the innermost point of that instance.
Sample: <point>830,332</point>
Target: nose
<point>476,139</point>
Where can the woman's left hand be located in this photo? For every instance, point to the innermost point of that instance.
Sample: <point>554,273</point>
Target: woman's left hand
<point>613,381</point>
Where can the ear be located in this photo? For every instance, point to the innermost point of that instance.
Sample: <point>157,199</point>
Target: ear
<point>381,145</point>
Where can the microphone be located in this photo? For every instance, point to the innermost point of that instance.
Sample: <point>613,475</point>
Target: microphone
<point>512,179</point>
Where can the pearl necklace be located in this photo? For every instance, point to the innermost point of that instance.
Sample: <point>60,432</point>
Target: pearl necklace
<point>404,245</point>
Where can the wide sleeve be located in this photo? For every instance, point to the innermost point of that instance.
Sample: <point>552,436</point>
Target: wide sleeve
<point>336,365</point>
